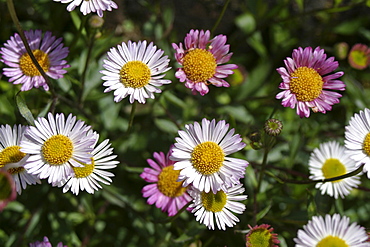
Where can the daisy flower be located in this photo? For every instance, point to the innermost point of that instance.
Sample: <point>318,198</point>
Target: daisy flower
<point>12,159</point>
<point>262,236</point>
<point>48,51</point>
<point>45,243</point>
<point>88,6</point>
<point>331,160</point>
<point>357,139</point>
<point>359,56</point>
<point>203,61</point>
<point>331,231</point>
<point>201,154</point>
<point>56,145</point>
<point>306,81</point>
<point>135,69</point>
<point>89,176</point>
<point>164,190</point>
<point>219,207</point>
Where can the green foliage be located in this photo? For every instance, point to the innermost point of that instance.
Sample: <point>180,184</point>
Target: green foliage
<point>261,35</point>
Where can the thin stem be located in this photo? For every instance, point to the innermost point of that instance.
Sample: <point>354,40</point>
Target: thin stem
<point>350,174</point>
<point>221,16</point>
<point>132,115</point>
<point>18,26</point>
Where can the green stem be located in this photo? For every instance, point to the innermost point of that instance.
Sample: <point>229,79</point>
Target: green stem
<point>350,174</point>
<point>132,115</point>
<point>221,16</point>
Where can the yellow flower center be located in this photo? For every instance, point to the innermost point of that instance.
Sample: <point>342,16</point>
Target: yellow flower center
<point>306,83</point>
<point>167,183</point>
<point>85,171</point>
<point>199,65</point>
<point>332,241</point>
<point>214,202</point>
<point>15,170</point>
<point>207,158</point>
<point>135,74</point>
<point>366,144</point>
<point>57,150</point>
<point>10,155</point>
<point>260,238</point>
<point>333,168</point>
<point>27,66</point>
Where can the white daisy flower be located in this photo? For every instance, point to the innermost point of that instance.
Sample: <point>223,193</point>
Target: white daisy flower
<point>12,159</point>
<point>56,145</point>
<point>328,161</point>
<point>331,231</point>
<point>91,175</point>
<point>88,6</point>
<point>219,207</point>
<point>135,69</point>
<point>357,139</point>
<point>201,154</point>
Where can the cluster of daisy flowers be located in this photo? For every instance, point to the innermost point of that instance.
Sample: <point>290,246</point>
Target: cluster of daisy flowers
<point>65,151</point>
<point>197,173</point>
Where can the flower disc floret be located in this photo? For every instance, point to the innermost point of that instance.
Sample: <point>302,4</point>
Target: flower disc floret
<point>331,160</point>
<point>135,70</point>
<point>10,154</point>
<point>261,236</point>
<point>55,145</point>
<point>307,82</point>
<point>48,51</point>
<point>202,61</point>
<point>201,154</point>
<point>330,231</point>
<point>357,139</point>
<point>164,190</point>
<point>214,202</point>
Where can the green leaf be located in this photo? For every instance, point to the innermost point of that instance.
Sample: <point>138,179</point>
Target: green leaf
<point>23,109</point>
<point>166,125</point>
<point>246,22</point>
<point>262,213</point>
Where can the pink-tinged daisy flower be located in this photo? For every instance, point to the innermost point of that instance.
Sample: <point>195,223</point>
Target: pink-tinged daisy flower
<point>45,243</point>
<point>88,6</point>
<point>167,194</point>
<point>359,56</point>
<point>357,139</point>
<point>12,160</point>
<point>8,192</point>
<point>89,176</point>
<point>219,207</point>
<point>201,156</point>
<point>203,61</point>
<point>306,81</point>
<point>331,160</point>
<point>262,236</point>
<point>135,69</point>
<point>48,51</point>
<point>56,145</point>
<point>331,231</point>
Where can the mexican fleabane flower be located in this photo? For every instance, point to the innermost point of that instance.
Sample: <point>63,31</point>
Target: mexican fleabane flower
<point>88,6</point>
<point>357,139</point>
<point>331,160</point>
<point>306,81</point>
<point>48,51</point>
<point>331,231</point>
<point>219,207</point>
<point>202,60</point>
<point>56,145</point>
<point>45,243</point>
<point>201,156</point>
<point>89,176</point>
<point>359,56</point>
<point>12,160</point>
<point>261,236</point>
<point>135,69</point>
<point>164,191</point>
